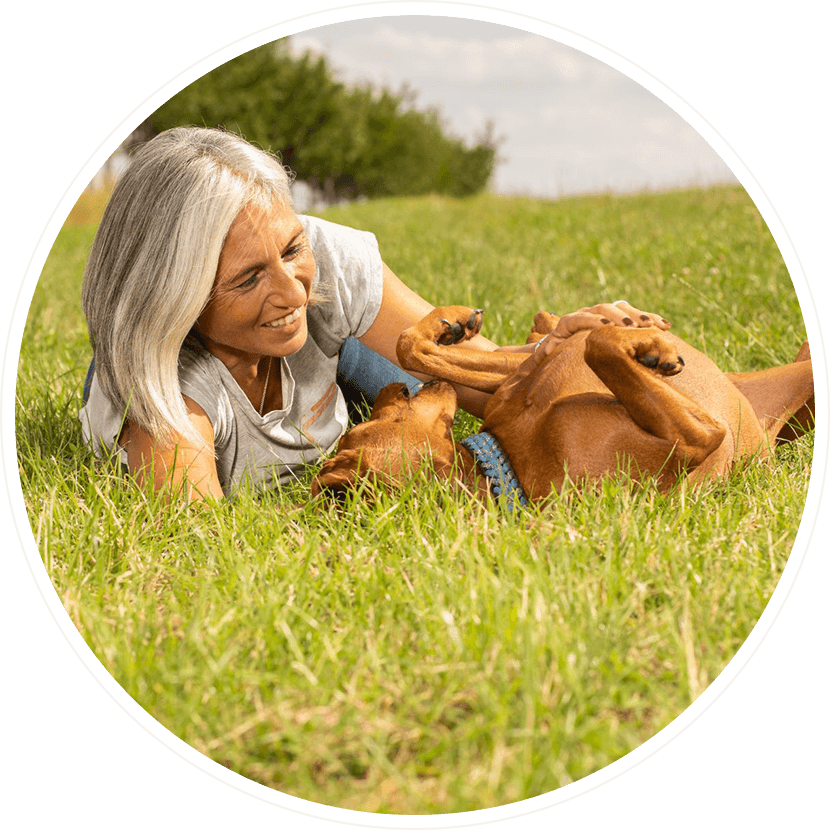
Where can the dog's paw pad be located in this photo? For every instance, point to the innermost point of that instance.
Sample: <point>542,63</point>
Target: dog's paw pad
<point>672,367</point>
<point>667,367</point>
<point>453,333</point>
<point>474,320</point>
<point>467,325</point>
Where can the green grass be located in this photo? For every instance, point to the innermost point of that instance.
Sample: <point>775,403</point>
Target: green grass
<point>426,653</point>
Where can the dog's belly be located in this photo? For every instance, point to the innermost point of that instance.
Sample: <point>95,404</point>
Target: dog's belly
<point>556,419</point>
<point>564,372</point>
<point>583,437</point>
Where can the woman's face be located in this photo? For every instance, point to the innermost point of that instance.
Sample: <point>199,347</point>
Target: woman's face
<point>259,300</point>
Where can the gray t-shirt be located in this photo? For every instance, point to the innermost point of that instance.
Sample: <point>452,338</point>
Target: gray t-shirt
<point>269,448</point>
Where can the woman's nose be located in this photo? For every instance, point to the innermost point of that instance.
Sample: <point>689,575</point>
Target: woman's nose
<point>286,291</point>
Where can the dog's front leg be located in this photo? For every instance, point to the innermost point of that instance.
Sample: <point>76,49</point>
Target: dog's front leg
<point>426,347</point>
<point>633,363</point>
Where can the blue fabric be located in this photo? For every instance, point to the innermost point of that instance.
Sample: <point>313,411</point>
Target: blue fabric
<point>361,374</point>
<point>494,463</point>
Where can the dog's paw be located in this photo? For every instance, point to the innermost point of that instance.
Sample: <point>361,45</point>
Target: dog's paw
<point>543,324</point>
<point>462,325</point>
<point>659,355</point>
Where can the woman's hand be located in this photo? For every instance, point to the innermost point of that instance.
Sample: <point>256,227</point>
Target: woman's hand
<point>619,313</point>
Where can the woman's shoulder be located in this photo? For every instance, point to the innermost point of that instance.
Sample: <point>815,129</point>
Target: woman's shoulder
<point>197,365</point>
<point>329,238</point>
<point>202,380</point>
<point>348,281</point>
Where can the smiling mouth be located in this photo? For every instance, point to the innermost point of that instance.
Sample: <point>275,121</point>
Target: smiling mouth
<point>285,321</point>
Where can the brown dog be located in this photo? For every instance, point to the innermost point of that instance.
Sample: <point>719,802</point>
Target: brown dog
<point>594,402</point>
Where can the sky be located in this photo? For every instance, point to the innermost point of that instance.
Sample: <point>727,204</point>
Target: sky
<point>568,122</point>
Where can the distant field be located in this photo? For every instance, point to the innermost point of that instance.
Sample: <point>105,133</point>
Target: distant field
<point>427,654</point>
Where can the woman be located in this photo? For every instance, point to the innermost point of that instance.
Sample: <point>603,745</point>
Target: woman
<point>222,323</point>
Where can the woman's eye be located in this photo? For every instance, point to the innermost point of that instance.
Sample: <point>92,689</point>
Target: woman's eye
<point>250,282</point>
<point>293,251</point>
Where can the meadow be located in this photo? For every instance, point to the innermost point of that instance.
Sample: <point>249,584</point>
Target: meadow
<point>427,653</point>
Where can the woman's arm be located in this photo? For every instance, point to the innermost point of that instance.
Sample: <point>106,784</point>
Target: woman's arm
<point>184,464</point>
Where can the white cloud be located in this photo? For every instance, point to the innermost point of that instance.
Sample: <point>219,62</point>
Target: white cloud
<point>571,122</point>
<point>389,51</point>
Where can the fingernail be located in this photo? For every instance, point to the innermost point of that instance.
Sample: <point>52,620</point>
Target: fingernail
<point>604,321</point>
<point>645,317</point>
<point>666,322</point>
<point>627,321</point>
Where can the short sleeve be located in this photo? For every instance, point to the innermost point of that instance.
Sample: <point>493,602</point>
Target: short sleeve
<point>349,280</point>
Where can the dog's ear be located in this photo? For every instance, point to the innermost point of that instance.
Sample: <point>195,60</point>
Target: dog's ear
<point>337,475</point>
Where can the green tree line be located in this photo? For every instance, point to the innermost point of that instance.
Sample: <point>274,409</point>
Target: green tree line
<point>346,141</point>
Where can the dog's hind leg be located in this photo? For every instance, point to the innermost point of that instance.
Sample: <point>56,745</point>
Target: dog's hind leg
<point>782,397</point>
<point>543,324</point>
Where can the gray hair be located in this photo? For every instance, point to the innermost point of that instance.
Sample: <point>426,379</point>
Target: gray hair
<point>154,260</point>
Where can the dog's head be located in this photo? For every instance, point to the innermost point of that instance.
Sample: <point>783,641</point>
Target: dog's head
<point>405,431</point>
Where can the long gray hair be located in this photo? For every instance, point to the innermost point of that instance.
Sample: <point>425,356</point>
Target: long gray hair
<point>154,261</point>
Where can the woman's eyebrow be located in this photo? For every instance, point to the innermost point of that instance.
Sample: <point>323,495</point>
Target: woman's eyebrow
<point>237,277</point>
<point>294,238</point>
<point>245,272</point>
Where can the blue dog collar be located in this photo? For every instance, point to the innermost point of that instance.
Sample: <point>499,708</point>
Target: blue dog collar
<point>495,465</point>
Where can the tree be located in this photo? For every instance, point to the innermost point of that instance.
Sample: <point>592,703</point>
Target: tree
<point>349,141</point>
